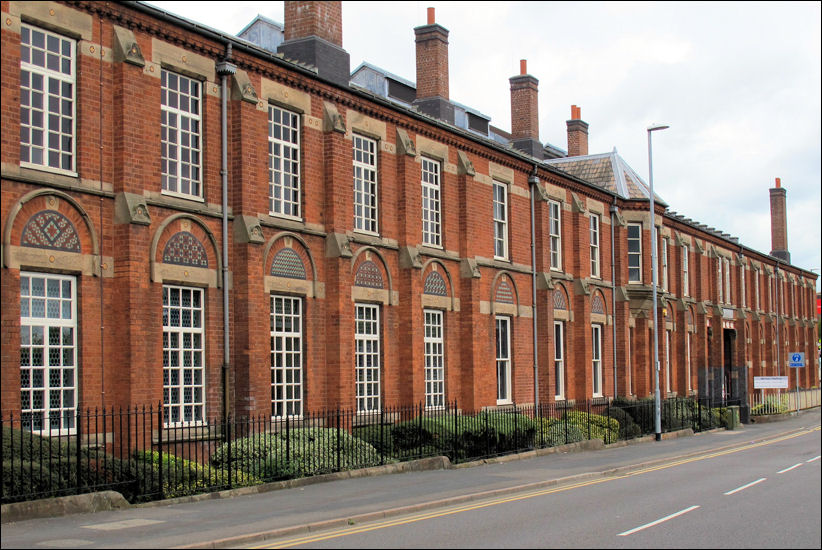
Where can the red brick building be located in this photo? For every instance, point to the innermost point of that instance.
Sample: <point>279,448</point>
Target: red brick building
<point>375,248</point>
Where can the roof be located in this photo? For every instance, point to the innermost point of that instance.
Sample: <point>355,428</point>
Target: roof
<point>608,171</point>
<point>385,73</point>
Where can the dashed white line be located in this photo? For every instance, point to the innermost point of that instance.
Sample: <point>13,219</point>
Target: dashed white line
<point>657,522</point>
<point>814,458</point>
<point>789,469</point>
<point>752,483</point>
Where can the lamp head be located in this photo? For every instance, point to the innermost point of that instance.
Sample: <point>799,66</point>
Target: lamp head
<point>654,127</point>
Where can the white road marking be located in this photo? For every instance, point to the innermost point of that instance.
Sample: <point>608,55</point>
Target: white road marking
<point>814,458</point>
<point>125,524</point>
<point>789,469</point>
<point>760,480</point>
<point>657,522</point>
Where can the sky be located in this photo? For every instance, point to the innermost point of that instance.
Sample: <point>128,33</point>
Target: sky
<point>739,84</point>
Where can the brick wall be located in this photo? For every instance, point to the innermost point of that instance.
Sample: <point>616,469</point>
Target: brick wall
<point>118,161</point>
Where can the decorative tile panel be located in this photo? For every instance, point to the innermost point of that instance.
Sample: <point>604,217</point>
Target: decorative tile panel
<point>368,275</point>
<point>559,300</point>
<point>287,263</point>
<point>504,294</point>
<point>50,229</point>
<point>183,248</point>
<point>597,305</point>
<point>435,284</point>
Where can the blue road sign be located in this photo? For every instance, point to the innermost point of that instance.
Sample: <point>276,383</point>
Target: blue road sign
<point>796,360</point>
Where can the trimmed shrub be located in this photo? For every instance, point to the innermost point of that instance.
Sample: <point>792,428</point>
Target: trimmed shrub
<point>306,451</point>
<point>378,436</point>
<point>183,477</point>
<point>628,429</point>
<point>601,427</point>
<point>29,479</point>
<point>558,432</point>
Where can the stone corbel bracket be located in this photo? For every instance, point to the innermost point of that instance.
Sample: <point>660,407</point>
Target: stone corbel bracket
<point>405,144</point>
<point>131,208</point>
<point>126,48</point>
<point>247,229</point>
<point>243,89</point>
<point>469,269</point>
<point>464,165</point>
<point>410,258</point>
<point>332,119</point>
<point>337,245</point>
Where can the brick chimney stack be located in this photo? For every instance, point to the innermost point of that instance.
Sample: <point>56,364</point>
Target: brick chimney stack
<point>577,134</point>
<point>779,223</point>
<point>432,70</point>
<point>525,112</point>
<point>313,35</point>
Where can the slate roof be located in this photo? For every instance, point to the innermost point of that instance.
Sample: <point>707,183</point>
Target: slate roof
<point>608,171</point>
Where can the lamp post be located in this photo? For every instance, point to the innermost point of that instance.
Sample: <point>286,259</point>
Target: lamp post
<point>657,412</point>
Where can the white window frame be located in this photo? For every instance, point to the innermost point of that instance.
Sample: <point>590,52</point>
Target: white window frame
<point>742,289</point>
<point>664,254</point>
<point>57,383</point>
<point>719,280</point>
<point>686,276</point>
<point>173,149</point>
<point>559,360</point>
<point>57,50</point>
<point>596,359</point>
<point>178,408</point>
<point>284,182</point>
<point>367,357</point>
<point>366,186</point>
<point>434,354</point>
<point>287,375</point>
<point>636,255</point>
<point>667,361</point>
<point>728,297</point>
<point>756,290</point>
<point>555,233</point>
<point>594,235</point>
<point>688,359</point>
<point>502,337</point>
<point>430,179</point>
<point>500,215</point>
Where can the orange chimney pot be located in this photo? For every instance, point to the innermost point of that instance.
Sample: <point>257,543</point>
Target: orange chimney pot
<point>523,66</point>
<point>431,18</point>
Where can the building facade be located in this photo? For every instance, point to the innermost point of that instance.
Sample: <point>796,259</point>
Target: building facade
<point>191,219</point>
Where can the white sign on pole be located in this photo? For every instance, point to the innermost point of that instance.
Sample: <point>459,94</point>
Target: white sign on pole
<point>766,382</point>
<point>796,360</point>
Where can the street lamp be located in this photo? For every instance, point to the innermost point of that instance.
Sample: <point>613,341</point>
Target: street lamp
<point>657,412</point>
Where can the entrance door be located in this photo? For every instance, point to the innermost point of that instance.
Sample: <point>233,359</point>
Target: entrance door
<point>728,347</point>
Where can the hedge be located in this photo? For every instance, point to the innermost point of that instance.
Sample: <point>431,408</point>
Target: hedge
<point>304,451</point>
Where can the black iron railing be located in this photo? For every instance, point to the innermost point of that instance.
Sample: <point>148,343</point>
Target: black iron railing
<point>134,453</point>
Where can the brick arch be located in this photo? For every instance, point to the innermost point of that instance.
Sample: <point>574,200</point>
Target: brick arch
<point>560,297</point>
<point>377,259</point>
<point>598,304</point>
<point>289,241</point>
<point>504,290</point>
<point>434,282</point>
<point>171,227</point>
<point>64,206</point>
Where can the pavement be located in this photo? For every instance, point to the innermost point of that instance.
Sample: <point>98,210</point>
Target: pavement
<point>251,515</point>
